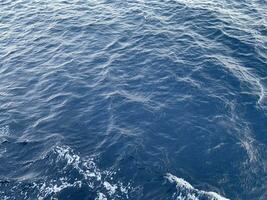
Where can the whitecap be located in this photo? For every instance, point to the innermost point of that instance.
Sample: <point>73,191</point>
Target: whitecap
<point>101,196</point>
<point>185,191</point>
<point>101,180</point>
<point>110,188</point>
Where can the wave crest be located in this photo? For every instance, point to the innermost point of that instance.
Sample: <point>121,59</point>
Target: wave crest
<point>185,191</point>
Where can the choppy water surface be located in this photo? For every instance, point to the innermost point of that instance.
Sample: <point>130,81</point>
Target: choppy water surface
<point>133,99</point>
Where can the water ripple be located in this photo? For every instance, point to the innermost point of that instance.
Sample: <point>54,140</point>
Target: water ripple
<point>102,99</point>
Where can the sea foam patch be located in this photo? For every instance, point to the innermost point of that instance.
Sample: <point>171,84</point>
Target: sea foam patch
<point>64,172</point>
<point>100,181</point>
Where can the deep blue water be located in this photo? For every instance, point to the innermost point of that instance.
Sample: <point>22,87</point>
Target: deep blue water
<point>133,99</point>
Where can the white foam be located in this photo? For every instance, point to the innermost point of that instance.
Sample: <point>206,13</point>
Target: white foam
<point>4,130</point>
<point>101,196</point>
<point>55,188</point>
<point>185,191</point>
<point>110,188</point>
<point>103,180</point>
<point>181,182</point>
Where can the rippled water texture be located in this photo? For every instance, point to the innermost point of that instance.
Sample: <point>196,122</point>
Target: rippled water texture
<point>133,99</point>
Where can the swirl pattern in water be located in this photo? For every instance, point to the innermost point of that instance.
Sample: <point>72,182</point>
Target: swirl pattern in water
<point>133,99</point>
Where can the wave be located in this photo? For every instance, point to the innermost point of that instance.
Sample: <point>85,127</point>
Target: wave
<point>90,175</point>
<point>99,184</point>
<point>185,191</point>
<point>112,75</point>
<point>73,173</point>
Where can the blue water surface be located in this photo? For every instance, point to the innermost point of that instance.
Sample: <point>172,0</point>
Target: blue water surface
<point>133,99</point>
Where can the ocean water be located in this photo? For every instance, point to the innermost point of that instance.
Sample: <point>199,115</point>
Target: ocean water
<point>133,99</point>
